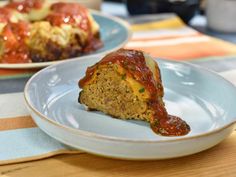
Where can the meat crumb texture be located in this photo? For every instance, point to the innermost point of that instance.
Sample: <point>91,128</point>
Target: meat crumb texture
<point>126,84</point>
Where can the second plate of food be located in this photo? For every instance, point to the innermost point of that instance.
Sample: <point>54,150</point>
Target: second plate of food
<point>201,98</point>
<point>114,34</point>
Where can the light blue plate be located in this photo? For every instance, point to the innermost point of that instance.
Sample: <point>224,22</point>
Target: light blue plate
<point>114,32</point>
<point>203,99</point>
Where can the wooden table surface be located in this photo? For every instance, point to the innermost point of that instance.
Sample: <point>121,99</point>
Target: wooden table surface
<point>215,162</point>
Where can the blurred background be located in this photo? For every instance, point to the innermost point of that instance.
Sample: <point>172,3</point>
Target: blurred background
<point>186,9</point>
<point>212,17</point>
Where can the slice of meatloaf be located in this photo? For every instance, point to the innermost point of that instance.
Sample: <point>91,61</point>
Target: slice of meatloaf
<point>126,84</point>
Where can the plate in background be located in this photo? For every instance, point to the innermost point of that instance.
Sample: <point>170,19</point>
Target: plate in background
<point>115,33</point>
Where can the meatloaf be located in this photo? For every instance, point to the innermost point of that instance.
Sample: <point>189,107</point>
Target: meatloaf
<point>39,31</point>
<point>126,84</point>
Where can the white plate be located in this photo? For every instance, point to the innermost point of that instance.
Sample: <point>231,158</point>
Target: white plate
<point>114,32</point>
<point>205,100</point>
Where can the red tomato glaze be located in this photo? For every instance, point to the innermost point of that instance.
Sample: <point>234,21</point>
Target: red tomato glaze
<point>26,5</point>
<point>134,63</point>
<point>15,49</point>
<point>5,14</point>
<point>69,13</point>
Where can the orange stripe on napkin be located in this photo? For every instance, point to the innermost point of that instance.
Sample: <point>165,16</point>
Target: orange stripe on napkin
<point>164,37</point>
<point>5,72</point>
<point>16,123</point>
<point>185,50</point>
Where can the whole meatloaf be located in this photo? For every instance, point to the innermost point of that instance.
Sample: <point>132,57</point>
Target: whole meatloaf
<point>67,31</point>
<point>40,31</point>
<point>126,84</point>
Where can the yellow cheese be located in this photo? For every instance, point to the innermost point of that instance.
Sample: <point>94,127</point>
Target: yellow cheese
<point>138,89</point>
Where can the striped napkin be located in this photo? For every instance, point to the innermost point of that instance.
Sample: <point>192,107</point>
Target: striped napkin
<point>170,38</point>
<point>16,73</point>
<point>21,140</point>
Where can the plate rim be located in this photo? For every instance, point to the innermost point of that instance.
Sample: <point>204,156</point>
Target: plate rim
<point>122,22</point>
<point>112,138</point>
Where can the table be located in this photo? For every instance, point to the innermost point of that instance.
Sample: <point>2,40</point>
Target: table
<point>215,162</point>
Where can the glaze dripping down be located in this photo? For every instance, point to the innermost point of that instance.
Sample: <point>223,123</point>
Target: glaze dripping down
<point>134,63</point>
